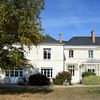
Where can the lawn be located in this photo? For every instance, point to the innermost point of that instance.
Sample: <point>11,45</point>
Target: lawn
<point>11,92</point>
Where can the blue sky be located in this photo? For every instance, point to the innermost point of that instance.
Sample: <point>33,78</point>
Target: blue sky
<point>71,17</point>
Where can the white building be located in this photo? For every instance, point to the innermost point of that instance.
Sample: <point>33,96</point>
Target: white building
<point>48,57</point>
<point>82,54</point>
<point>77,55</point>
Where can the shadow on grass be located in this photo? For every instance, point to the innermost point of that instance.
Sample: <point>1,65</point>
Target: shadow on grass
<point>15,89</point>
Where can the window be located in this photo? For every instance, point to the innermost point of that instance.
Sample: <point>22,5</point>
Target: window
<point>47,72</point>
<point>14,73</point>
<point>90,52</point>
<point>47,53</point>
<point>71,54</point>
<point>71,69</point>
<point>91,70</point>
<point>21,73</point>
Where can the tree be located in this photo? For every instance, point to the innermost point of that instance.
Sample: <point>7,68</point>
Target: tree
<point>19,24</point>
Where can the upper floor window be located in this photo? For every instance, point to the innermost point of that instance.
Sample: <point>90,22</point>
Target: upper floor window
<point>71,54</point>
<point>90,53</point>
<point>47,53</point>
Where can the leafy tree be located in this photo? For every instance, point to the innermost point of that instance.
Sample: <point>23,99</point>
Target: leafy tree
<point>19,24</point>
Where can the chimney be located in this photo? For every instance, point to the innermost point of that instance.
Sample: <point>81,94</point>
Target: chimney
<point>93,36</point>
<point>60,37</point>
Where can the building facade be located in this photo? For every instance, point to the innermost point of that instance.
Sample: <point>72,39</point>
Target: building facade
<point>50,57</point>
<point>82,54</point>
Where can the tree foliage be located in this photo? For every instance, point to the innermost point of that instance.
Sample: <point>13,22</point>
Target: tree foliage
<point>61,77</point>
<point>19,23</point>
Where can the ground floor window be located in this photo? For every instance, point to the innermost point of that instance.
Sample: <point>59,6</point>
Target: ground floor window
<point>71,69</point>
<point>14,73</point>
<point>91,70</point>
<point>47,71</point>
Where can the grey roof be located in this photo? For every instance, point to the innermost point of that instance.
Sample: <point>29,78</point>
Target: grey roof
<point>65,42</point>
<point>50,40</point>
<point>83,41</point>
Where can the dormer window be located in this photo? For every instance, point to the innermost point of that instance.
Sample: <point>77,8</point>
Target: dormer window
<point>90,53</point>
<point>71,54</point>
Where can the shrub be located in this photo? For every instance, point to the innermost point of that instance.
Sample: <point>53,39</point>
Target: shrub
<point>38,80</point>
<point>85,74</point>
<point>61,77</point>
<point>22,81</point>
<point>91,80</point>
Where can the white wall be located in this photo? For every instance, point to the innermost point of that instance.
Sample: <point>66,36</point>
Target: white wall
<point>35,55</point>
<point>80,56</point>
<point>81,52</point>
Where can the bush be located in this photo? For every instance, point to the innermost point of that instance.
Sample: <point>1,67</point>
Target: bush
<point>91,80</point>
<point>38,80</point>
<point>22,81</point>
<point>61,77</point>
<point>85,74</point>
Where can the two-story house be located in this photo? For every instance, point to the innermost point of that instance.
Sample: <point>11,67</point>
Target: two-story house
<point>50,57</point>
<point>82,54</point>
<point>46,58</point>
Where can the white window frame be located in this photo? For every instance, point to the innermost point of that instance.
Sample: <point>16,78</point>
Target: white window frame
<point>48,72</point>
<point>71,53</point>
<point>91,70</point>
<point>47,53</point>
<point>71,69</point>
<point>11,73</point>
<point>90,53</point>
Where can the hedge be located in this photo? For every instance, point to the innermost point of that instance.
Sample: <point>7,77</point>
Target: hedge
<point>85,74</point>
<point>91,80</point>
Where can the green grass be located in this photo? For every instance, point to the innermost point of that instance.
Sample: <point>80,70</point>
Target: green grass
<point>11,92</point>
<point>15,89</point>
<point>91,80</point>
